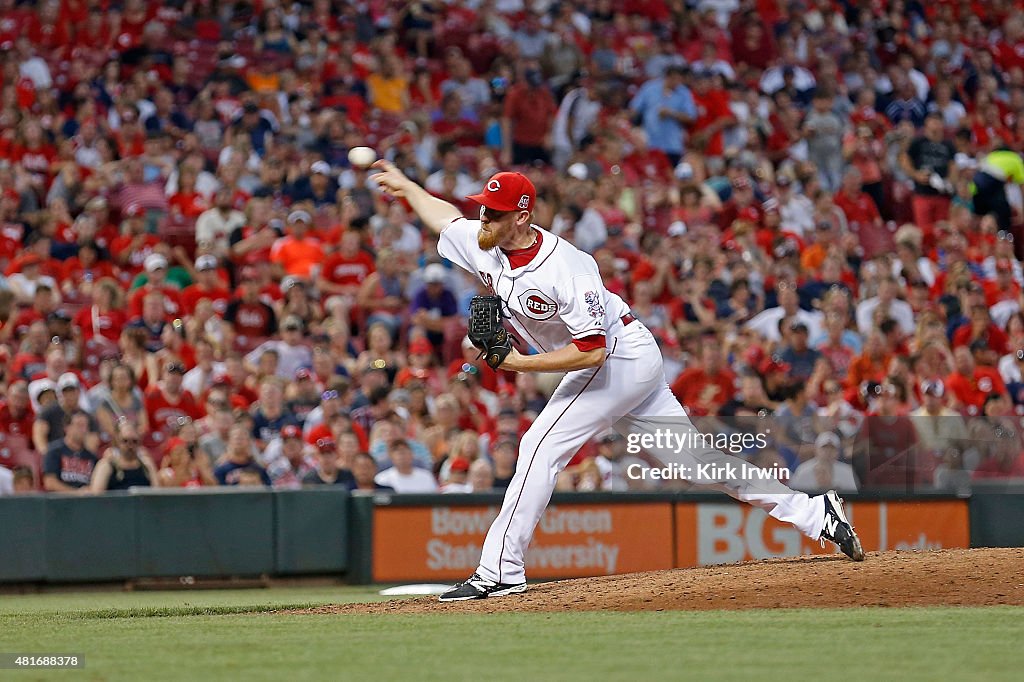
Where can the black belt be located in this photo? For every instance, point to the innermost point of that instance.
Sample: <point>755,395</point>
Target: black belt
<point>627,319</point>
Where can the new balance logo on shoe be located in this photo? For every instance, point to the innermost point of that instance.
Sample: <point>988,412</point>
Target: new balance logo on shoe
<point>837,529</point>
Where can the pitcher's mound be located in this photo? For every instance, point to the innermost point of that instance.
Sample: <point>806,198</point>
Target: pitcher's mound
<point>961,577</point>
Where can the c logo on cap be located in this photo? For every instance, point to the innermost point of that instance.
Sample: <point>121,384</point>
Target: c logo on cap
<point>493,186</point>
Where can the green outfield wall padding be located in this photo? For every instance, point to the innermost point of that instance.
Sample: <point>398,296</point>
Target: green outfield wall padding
<point>311,530</point>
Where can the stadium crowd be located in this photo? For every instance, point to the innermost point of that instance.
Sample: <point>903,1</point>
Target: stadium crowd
<point>813,204</point>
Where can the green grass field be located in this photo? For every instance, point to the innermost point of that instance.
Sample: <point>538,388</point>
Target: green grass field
<point>227,635</point>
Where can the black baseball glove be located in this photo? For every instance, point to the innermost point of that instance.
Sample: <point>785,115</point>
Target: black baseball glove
<point>487,331</point>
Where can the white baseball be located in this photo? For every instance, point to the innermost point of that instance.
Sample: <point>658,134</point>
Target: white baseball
<point>361,156</point>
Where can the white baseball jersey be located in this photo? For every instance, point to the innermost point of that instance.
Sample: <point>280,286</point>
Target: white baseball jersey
<point>557,297</point>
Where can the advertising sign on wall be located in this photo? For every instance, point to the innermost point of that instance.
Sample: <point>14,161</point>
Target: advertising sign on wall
<point>572,540</point>
<point>709,534</point>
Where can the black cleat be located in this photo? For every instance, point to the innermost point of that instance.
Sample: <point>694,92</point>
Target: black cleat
<point>479,588</point>
<point>838,530</point>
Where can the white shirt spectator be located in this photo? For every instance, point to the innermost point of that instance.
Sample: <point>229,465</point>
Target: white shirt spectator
<point>924,266</point>
<point>196,381</point>
<point>1002,312</point>
<point>464,184</point>
<point>567,132</point>
<point>591,231</point>
<point>952,113</point>
<point>805,479</point>
<point>215,226</point>
<point>206,183</point>
<point>723,9</point>
<point>898,310</point>
<point>36,70</point>
<point>766,322</point>
<point>1009,370</point>
<point>714,66</point>
<point>314,418</point>
<point>25,288</point>
<point>989,267</point>
<point>290,358</point>
<point>417,481</point>
<point>772,80</point>
<point>88,156</point>
<point>921,85</point>
<point>615,473</point>
<point>474,93</point>
<point>407,240</point>
<point>797,214</point>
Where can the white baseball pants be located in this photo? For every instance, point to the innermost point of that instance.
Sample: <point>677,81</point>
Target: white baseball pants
<point>631,382</point>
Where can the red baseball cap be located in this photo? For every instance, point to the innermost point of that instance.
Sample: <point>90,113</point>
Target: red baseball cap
<point>507,191</point>
<point>291,431</point>
<point>420,346</point>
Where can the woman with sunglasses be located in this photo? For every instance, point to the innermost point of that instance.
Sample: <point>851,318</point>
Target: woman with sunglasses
<point>124,465</point>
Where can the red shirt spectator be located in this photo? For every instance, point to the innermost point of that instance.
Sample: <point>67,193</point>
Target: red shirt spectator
<point>166,401</point>
<point>453,127</point>
<point>713,116</point>
<point>1004,287</point>
<point>132,248</point>
<point>345,270</point>
<point>208,285</point>
<point>188,204</point>
<point>47,32</point>
<point>972,384</point>
<point>862,217</point>
<point>980,329</point>
<point>704,388</point>
<point>156,271</point>
<point>890,439</point>
<point>93,321</point>
<point>86,267</point>
<point>16,415</point>
<point>13,20</point>
<point>530,111</point>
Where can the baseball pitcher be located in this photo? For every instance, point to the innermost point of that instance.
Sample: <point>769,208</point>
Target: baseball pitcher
<point>554,298</point>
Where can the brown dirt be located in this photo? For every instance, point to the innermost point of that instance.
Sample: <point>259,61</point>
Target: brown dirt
<point>963,577</point>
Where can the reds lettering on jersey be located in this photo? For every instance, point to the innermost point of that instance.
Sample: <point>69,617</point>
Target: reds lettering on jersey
<point>557,297</point>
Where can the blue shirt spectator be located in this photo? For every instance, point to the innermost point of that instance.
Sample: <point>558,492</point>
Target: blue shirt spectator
<point>434,305</point>
<point>665,105</point>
